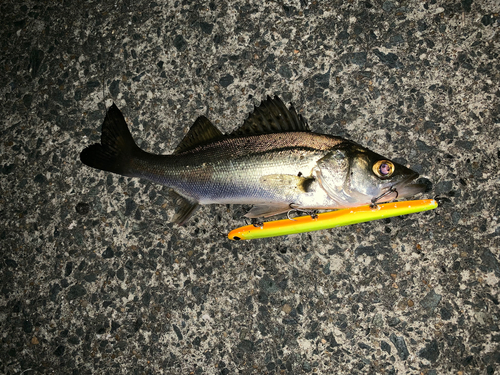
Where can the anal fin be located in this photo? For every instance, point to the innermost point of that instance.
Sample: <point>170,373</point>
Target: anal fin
<point>185,208</point>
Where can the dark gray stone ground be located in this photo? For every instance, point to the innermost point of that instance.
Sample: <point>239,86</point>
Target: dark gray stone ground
<point>95,280</point>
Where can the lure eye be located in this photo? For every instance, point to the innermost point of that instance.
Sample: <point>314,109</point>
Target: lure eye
<point>383,168</point>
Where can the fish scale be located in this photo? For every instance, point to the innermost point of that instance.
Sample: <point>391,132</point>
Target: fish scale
<point>230,170</point>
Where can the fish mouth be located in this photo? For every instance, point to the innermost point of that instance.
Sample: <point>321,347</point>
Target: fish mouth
<point>403,189</point>
<point>408,188</point>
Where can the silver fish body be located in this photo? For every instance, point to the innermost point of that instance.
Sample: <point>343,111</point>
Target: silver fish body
<point>273,162</point>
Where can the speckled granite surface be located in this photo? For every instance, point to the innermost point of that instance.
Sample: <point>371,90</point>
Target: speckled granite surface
<point>95,280</point>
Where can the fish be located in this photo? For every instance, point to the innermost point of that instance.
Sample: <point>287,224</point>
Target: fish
<point>273,162</point>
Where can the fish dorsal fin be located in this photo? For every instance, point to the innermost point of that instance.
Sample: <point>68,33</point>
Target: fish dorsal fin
<point>202,132</point>
<point>272,116</point>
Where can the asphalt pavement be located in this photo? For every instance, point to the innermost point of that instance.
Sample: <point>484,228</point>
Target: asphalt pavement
<point>96,280</point>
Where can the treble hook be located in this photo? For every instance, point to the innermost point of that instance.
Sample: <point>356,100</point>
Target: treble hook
<point>257,223</point>
<point>313,215</point>
<point>392,189</point>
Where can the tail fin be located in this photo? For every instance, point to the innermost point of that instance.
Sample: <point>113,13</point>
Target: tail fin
<point>117,147</point>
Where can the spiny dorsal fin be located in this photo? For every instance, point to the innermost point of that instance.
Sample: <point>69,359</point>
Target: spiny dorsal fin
<point>272,116</point>
<point>202,132</point>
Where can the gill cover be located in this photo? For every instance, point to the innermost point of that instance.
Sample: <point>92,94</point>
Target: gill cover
<point>333,174</point>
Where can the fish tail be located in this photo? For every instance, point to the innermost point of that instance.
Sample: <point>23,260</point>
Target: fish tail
<point>117,149</point>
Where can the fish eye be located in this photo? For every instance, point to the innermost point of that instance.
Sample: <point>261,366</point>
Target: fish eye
<point>383,168</point>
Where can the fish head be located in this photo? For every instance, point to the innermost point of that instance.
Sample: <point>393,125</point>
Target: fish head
<point>353,175</point>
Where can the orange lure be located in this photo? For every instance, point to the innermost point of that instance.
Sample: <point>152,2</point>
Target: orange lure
<point>332,219</point>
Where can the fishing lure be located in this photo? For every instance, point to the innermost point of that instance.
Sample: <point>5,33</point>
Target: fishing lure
<point>331,219</point>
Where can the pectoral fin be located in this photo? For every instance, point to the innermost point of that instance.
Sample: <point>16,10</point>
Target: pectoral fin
<point>282,184</point>
<point>287,183</point>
